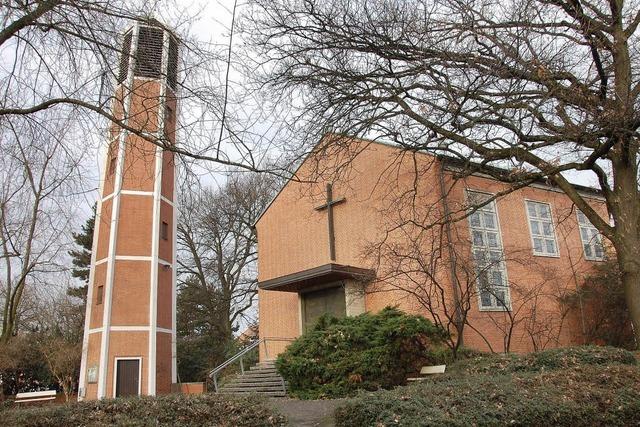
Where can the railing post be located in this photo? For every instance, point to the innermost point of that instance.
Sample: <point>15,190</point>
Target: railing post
<point>215,381</point>
<point>241,366</point>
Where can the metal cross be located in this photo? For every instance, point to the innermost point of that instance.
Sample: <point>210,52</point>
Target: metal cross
<point>329,207</point>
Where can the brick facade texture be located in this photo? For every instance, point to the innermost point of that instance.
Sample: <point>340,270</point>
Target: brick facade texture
<point>383,187</point>
<point>131,293</point>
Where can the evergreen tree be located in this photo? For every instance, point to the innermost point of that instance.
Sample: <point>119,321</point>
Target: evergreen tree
<point>203,339</point>
<point>81,258</point>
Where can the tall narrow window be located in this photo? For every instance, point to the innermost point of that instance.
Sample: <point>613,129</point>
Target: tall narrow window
<point>591,239</point>
<point>488,256</point>
<point>99,295</point>
<point>543,236</point>
<point>164,231</point>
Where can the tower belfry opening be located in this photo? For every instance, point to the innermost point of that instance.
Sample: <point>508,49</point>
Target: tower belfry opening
<point>129,345</point>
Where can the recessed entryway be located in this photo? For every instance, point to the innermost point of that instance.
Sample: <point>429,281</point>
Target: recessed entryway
<point>324,301</point>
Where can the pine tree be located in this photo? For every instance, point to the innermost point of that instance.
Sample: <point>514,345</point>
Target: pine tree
<point>81,258</point>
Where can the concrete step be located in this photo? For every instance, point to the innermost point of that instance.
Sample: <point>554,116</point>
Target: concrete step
<point>258,377</point>
<point>261,372</point>
<point>262,378</point>
<point>258,374</point>
<point>252,378</point>
<point>241,385</point>
<point>262,393</point>
<point>250,381</point>
<point>262,368</point>
<point>252,389</point>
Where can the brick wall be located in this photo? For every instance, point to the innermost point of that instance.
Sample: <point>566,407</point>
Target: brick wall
<point>384,186</point>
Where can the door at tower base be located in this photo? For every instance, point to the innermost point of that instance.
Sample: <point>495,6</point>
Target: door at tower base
<point>329,301</point>
<point>128,377</point>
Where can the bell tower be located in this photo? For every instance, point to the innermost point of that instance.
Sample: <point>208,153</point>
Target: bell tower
<point>129,345</point>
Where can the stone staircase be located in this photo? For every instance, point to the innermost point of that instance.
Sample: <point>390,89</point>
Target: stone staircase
<point>260,379</point>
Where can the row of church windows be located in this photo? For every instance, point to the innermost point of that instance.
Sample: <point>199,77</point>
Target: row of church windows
<point>487,250</point>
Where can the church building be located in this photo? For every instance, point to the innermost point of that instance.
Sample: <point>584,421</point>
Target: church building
<point>365,225</point>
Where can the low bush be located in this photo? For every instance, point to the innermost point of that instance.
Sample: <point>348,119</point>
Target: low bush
<point>369,351</point>
<point>171,410</point>
<point>582,386</point>
<point>442,355</point>
<point>561,358</point>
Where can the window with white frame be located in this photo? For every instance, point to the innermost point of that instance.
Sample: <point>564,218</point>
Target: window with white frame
<point>543,236</point>
<point>591,239</point>
<point>488,257</point>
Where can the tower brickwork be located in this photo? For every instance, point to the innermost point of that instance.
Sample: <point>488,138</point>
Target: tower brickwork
<point>129,345</point>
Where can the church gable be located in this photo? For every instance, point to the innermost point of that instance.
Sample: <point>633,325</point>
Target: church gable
<point>332,219</point>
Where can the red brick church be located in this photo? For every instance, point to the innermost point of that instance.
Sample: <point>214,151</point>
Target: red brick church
<point>362,226</point>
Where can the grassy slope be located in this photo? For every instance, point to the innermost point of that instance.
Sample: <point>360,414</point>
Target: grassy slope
<point>571,387</point>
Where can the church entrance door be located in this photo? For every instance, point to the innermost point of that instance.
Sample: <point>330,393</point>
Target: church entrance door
<point>324,301</point>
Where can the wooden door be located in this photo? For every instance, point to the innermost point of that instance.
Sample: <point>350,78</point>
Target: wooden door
<point>127,377</point>
<point>325,301</point>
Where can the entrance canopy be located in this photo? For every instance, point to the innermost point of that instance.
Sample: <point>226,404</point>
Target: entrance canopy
<point>309,279</point>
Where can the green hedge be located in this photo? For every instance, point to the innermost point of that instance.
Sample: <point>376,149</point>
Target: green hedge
<point>569,387</point>
<point>171,410</point>
<point>369,351</point>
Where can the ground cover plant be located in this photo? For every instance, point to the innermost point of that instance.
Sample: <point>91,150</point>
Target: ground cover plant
<point>579,386</point>
<point>170,410</point>
<point>369,351</point>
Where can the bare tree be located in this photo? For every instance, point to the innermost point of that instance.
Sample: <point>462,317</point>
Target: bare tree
<point>40,179</point>
<point>218,242</point>
<point>536,311</point>
<point>416,268</point>
<point>436,274</point>
<point>59,339</point>
<point>60,53</point>
<point>541,88</point>
<point>605,318</point>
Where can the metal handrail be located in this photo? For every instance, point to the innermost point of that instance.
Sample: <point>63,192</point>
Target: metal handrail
<point>213,374</point>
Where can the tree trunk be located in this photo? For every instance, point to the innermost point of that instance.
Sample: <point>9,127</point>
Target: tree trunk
<point>67,388</point>
<point>630,271</point>
<point>7,330</point>
<point>626,213</point>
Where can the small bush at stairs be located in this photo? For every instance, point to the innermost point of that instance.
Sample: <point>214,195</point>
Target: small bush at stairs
<point>369,351</point>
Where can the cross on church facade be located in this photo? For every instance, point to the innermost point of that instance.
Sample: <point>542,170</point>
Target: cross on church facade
<point>329,207</point>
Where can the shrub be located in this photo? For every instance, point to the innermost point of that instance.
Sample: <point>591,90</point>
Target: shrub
<point>442,355</point>
<point>171,410</point>
<point>576,387</point>
<point>23,367</point>
<point>561,358</point>
<point>369,351</point>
